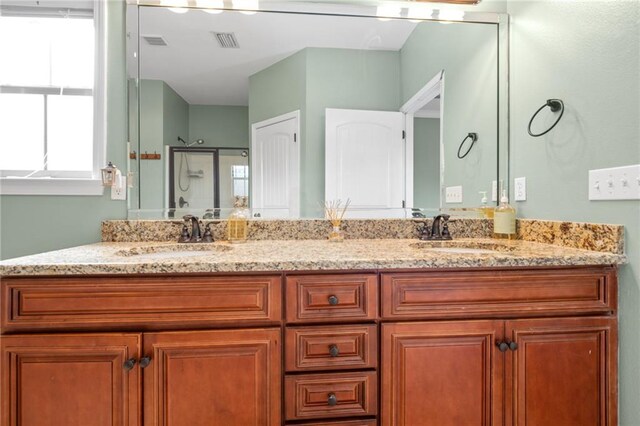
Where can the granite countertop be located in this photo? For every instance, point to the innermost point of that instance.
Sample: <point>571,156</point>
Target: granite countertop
<point>291,255</point>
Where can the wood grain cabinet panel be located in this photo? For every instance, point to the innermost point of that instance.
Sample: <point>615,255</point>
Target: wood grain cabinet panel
<point>365,422</point>
<point>326,298</point>
<point>313,396</point>
<point>139,302</point>
<point>441,373</point>
<point>331,348</point>
<point>563,372</point>
<point>221,377</point>
<point>70,380</point>
<point>499,293</point>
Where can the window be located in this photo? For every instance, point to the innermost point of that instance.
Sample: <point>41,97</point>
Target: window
<point>51,98</point>
<point>240,177</point>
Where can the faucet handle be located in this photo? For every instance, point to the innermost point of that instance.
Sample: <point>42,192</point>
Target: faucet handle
<point>446,235</point>
<point>208,236</point>
<point>184,235</point>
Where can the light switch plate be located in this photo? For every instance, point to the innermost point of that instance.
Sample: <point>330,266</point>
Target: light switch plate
<point>453,194</point>
<point>520,189</point>
<point>616,183</point>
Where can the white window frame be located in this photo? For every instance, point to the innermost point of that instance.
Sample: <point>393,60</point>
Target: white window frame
<point>64,185</point>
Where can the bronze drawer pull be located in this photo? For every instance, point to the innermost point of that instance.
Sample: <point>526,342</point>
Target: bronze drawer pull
<point>129,364</point>
<point>333,300</point>
<point>332,400</point>
<point>334,351</point>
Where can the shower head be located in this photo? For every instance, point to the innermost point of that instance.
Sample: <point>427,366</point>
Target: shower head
<point>197,141</point>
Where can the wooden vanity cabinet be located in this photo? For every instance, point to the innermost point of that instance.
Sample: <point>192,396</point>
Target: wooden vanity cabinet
<point>228,376</point>
<point>556,370</point>
<point>493,347</point>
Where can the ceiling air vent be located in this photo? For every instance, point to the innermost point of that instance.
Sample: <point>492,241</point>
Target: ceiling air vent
<point>226,40</point>
<point>154,40</point>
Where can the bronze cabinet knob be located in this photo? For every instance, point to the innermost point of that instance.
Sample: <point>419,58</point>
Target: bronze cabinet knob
<point>334,351</point>
<point>333,300</point>
<point>145,361</point>
<point>502,346</point>
<point>332,400</point>
<point>129,364</point>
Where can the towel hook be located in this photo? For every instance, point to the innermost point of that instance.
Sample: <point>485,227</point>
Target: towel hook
<point>474,138</point>
<point>555,105</point>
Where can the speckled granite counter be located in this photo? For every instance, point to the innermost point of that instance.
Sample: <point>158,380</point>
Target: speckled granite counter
<point>292,255</point>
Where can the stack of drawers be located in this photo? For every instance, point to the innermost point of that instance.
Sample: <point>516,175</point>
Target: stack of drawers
<point>331,353</point>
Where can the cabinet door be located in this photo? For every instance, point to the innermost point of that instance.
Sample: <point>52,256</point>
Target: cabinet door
<point>221,377</point>
<point>442,373</point>
<point>70,380</point>
<point>562,373</point>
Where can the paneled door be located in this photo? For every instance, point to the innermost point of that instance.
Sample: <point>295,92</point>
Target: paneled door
<point>221,377</point>
<point>441,374</point>
<point>563,372</point>
<point>275,166</point>
<point>71,380</point>
<point>365,161</point>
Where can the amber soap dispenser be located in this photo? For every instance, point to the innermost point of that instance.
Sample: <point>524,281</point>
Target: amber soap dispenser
<point>504,219</point>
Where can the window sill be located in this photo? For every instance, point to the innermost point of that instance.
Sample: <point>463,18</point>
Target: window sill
<point>50,186</point>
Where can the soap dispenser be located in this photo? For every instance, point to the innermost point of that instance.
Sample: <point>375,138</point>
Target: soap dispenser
<point>504,219</point>
<point>238,221</point>
<point>485,211</point>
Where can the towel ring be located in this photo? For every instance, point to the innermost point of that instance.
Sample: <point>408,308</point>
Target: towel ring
<point>555,105</point>
<point>474,138</point>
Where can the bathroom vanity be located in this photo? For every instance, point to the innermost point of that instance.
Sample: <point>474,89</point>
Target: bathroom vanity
<point>524,336</point>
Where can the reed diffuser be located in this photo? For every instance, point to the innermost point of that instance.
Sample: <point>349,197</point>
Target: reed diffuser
<point>334,211</point>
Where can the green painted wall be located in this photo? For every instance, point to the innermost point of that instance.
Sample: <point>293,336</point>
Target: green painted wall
<point>164,116</point>
<point>279,89</point>
<point>315,79</point>
<point>426,158</point>
<point>588,54</point>
<point>151,140</point>
<point>220,125</point>
<point>341,78</point>
<point>34,224</point>
<point>175,117</point>
<point>468,55</point>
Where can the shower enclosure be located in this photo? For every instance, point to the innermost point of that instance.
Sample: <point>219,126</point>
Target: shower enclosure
<point>207,178</point>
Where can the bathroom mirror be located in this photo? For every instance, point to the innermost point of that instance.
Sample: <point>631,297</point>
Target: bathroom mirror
<point>314,106</point>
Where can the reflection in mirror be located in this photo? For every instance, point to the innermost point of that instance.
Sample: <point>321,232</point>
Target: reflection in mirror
<point>329,107</point>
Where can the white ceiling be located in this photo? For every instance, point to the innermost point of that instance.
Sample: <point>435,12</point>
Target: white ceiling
<point>203,73</point>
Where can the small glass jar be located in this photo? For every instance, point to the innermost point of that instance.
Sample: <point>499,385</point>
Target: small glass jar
<point>238,222</point>
<point>336,234</point>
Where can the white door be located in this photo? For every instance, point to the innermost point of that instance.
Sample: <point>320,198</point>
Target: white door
<point>275,167</point>
<point>365,156</point>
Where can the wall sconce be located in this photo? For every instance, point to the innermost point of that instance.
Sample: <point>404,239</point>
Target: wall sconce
<point>109,175</point>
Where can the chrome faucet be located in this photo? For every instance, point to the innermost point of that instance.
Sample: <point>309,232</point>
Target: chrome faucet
<point>439,229</point>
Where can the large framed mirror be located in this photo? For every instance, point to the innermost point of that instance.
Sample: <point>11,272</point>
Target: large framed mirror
<point>404,113</point>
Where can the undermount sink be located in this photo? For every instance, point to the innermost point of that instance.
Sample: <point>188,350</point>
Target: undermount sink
<point>169,251</point>
<point>462,247</point>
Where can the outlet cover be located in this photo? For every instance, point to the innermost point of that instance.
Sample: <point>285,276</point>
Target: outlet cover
<point>520,189</point>
<point>616,183</point>
<point>453,194</point>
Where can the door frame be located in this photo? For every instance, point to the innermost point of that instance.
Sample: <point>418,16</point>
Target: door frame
<point>295,211</point>
<point>426,94</point>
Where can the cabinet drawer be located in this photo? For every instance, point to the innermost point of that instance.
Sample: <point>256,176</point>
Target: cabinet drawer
<point>501,293</point>
<point>331,348</point>
<point>130,302</point>
<point>370,422</point>
<point>325,298</point>
<point>310,396</point>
